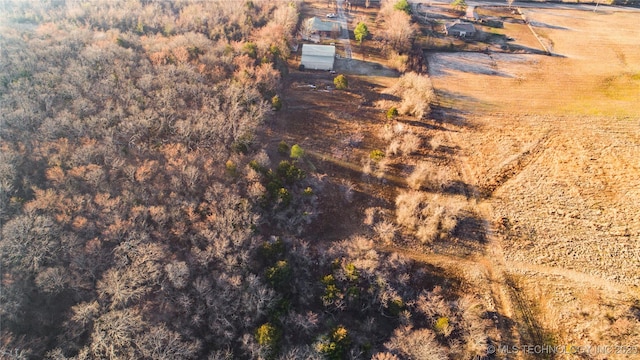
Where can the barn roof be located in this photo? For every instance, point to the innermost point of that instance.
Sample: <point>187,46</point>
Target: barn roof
<point>318,57</point>
<point>318,50</point>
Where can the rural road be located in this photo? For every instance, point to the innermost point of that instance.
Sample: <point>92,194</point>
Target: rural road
<point>344,36</point>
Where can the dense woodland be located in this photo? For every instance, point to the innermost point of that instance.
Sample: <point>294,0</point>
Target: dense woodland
<point>142,219</point>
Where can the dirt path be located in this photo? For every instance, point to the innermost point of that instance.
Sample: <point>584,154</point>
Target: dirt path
<point>494,264</point>
<point>344,36</point>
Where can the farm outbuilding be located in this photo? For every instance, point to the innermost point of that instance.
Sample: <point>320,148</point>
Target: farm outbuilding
<point>318,57</point>
<point>461,29</point>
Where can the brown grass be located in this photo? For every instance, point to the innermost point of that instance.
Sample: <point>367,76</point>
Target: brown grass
<point>552,143</point>
<point>549,145</point>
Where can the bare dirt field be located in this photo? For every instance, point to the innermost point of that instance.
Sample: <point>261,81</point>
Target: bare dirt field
<point>552,143</point>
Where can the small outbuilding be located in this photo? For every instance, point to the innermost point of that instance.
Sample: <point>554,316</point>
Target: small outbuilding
<point>318,57</point>
<point>460,29</point>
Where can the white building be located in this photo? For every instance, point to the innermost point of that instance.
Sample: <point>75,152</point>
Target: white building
<point>318,57</point>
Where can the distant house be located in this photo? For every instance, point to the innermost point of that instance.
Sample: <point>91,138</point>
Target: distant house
<point>318,57</point>
<point>460,29</point>
<point>315,28</point>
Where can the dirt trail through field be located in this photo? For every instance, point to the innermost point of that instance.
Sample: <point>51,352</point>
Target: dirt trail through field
<point>493,262</point>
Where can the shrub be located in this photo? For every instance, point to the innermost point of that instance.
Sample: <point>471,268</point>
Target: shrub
<point>283,147</point>
<point>416,344</point>
<point>334,345</point>
<point>288,172</point>
<point>350,272</point>
<point>272,249</point>
<point>386,231</point>
<point>242,144</point>
<point>403,5</point>
<point>398,61</point>
<point>460,5</point>
<point>273,187</point>
<point>251,49</point>
<point>297,152</point>
<point>284,197</point>
<point>410,143</point>
<point>232,168</point>
<point>267,335</point>
<point>361,32</point>
<point>416,92</point>
<point>392,112</point>
<point>376,155</point>
<point>341,82</point>
<point>395,306</point>
<point>429,216</point>
<point>253,164</point>
<point>276,103</point>
<point>429,175</point>
<point>279,275</point>
<point>442,326</point>
<point>331,291</point>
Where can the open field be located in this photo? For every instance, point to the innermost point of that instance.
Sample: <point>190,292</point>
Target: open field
<point>596,70</point>
<point>552,143</point>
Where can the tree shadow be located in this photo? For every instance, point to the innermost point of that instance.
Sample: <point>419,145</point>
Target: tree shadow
<point>635,310</point>
<point>470,228</point>
<point>425,125</point>
<point>471,62</point>
<point>458,187</point>
<point>389,97</point>
<point>446,149</point>
<point>547,26</point>
<point>521,49</point>
<point>505,325</point>
<point>354,66</point>
<point>448,115</point>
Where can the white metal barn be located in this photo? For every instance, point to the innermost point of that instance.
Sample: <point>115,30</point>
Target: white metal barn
<point>318,57</point>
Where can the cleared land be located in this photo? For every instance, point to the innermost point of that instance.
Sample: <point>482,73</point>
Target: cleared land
<point>552,143</point>
<point>540,153</point>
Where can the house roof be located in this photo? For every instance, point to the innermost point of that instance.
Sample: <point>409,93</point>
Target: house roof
<point>317,24</point>
<point>461,26</point>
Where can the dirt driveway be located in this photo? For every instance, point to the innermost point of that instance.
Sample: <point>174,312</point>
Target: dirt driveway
<point>359,67</point>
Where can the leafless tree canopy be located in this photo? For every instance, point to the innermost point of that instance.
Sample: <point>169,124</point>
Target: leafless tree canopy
<point>141,218</point>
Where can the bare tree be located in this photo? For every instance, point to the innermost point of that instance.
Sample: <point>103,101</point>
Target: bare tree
<point>161,343</point>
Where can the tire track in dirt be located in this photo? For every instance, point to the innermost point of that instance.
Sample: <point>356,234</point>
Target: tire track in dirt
<point>575,277</point>
<point>515,167</point>
<point>506,298</point>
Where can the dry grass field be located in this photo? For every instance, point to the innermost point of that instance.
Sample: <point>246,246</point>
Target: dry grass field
<point>552,143</point>
<point>596,70</point>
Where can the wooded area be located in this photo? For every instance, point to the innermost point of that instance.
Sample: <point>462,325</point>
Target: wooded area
<point>142,219</point>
